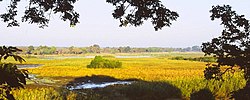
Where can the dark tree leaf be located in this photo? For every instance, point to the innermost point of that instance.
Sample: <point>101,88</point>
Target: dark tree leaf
<point>232,48</point>
<point>10,76</point>
<point>39,12</point>
<point>134,12</point>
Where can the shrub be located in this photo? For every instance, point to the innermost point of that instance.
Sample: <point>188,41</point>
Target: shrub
<point>202,59</point>
<point>178,58</point>
<point>99,62</point>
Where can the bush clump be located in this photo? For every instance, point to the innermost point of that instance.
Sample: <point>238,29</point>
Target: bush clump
<point>99,62</point>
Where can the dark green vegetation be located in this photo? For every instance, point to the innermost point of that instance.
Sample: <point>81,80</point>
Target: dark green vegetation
<point>231,49</point>
<point>10,76</point>
<point>203,59</point>
<point>99,62</point>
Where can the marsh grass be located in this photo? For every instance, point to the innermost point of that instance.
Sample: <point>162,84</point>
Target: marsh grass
<point>187,76</point>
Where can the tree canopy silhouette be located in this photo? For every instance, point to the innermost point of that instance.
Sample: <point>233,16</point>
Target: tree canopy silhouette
<point>232,48</point>
<point>132,12</point>
<point>37,10</point>
<point>10,76</point>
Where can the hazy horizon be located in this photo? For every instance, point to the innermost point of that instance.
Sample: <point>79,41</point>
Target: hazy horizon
<point>94,44</point>
<point>97,26</point>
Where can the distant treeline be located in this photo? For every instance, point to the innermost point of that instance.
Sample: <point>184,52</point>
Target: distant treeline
<point>40,50</point>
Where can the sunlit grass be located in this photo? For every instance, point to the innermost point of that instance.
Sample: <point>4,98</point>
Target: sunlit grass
<point>186,75</point>
<point>147,69</point>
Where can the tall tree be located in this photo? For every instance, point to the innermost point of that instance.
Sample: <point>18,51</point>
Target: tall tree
<point>232,48</point>
<point>95,48</point>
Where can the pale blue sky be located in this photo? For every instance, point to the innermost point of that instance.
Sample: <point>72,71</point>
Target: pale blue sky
<point>99,27</point>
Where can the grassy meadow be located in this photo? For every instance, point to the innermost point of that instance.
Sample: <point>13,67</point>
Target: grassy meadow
<point>159,78</point>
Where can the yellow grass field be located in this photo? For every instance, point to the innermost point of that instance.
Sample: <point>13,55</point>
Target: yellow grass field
<point>148,69</point>
<point>183,74</point>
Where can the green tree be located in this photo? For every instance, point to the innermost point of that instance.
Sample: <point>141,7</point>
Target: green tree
<point>127,49</point>
<point>52,50</point>
<point>95,49</point>
<point>71,49</point>
<point>45,50</point>
<point>232,48</point>
<point>30,49</point>
<point>84,50</point>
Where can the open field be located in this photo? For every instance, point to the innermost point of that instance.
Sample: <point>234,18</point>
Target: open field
<point>157,77</point>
